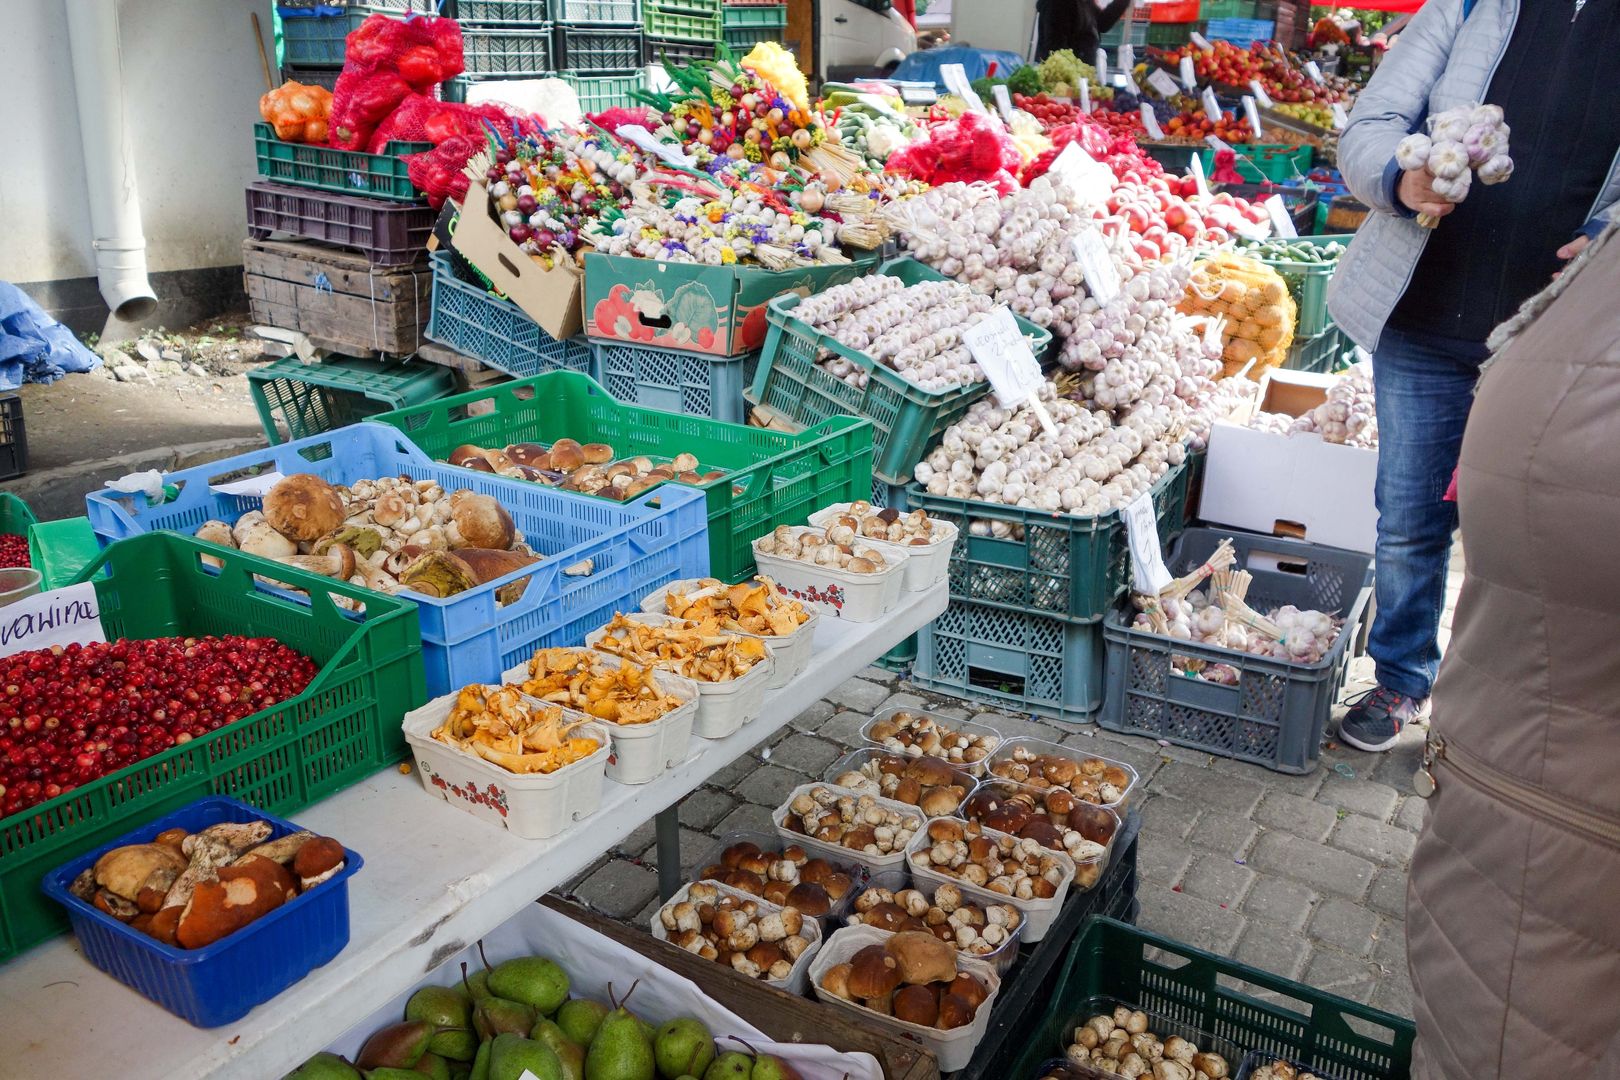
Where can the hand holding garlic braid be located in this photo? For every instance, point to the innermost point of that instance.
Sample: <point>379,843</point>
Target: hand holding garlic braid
<point>1460,142</point>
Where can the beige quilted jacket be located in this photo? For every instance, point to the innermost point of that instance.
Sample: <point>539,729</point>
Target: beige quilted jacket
<point>1440,62</point>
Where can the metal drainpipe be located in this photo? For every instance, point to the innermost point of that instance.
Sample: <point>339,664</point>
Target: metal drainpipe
<point>109,159</point>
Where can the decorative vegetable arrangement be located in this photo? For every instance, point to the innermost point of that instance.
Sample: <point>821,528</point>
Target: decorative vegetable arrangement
<point>861,823</point>
<point>714,607</point>
<point>592,468</point>
<point>1348,416</point>
<point>549,188</point>
<point>14,550</point>
<point>718,925</point>
<point>921,735</point>
<point>189,890</point>
<point>1122,1045</point>
<point>833,546</point>
<point>578,679</point>
<point>72,715</point>
<point>912,977</point>
<point>389,534</point>
<point>913,330</point>
<point>787,877</point>
<point>1055,820</point>
<point>500,725</point>
<point>1024,869</point>
<point>931,784</point>
<point>973,930</point>
<point>1090,779</point>
<point>681,649</point>
<point>1254,301</point>
<point>872,126</point>
<point>298,113</point>
<point>1461,141</point>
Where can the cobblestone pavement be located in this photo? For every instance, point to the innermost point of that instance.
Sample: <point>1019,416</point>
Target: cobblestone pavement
<point>1304,876</point>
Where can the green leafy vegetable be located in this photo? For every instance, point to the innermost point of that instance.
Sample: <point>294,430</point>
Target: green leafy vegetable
<point>1027,80</point>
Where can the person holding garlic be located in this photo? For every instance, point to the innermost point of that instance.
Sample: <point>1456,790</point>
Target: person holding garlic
<point>1457,240</point>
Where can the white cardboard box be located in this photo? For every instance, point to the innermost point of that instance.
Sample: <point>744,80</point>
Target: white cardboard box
<point>1290,485</point>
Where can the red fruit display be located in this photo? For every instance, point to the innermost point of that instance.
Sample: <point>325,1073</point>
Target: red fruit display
<point>14,550</point>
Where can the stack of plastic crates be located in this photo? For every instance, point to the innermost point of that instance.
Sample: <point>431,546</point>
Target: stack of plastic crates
<point>503,39</point>
<point>598,49</point>
<point>746,25</point>
<point>679,31</point>
<point>312,35</point>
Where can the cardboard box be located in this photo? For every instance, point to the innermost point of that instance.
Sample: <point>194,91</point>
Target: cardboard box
<point>687,307</point>
<point>549,297</point>
<point>1290,485</point>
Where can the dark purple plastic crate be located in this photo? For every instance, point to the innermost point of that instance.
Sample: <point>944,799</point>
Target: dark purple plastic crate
<point>387,233</point>
<point>608,49</point>
<point>223,981</point>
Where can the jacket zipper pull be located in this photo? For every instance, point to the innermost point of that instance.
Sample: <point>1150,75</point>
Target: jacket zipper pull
<point>1423,780</point>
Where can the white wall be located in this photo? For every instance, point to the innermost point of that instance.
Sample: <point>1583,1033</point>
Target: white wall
<point>192,83</point>
<point>1008,25</point>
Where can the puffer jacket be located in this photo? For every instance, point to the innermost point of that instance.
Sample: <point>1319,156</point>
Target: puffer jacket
<point>1441,61</point>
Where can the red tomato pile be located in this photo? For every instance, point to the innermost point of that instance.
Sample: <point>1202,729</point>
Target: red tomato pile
<point>1048,110</point>
<point>1230,65</point>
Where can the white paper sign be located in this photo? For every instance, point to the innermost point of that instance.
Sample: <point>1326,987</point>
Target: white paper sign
<point>1199,40</point>
<point>1150,123</point>
<point>1199,179</point>
<point>254,487</point>
<point>1148,571</point>
<point>1340,120</point>
<point>1089,179</point>
<point>1162,83</point>
<point>1278,212</point>
<point>1260,94</point>
<point>1189,74</point>
<point>60,617</point>
<point>1130,83</point>
<point>1102,276</point>
<point>643,138</point>
<point>1085,96</point>
<point>1253,114</point>
<point>1212,107</point>
<point>1314,72</point>
<point>1126,56</point>
<point>1003,100</point>
<point>998,346</point>
<point>956,81</point>
<point>1216,143</point>
<point>1102,67</point>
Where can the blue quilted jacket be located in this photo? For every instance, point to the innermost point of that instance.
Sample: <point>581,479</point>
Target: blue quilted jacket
<point>1444,58</point>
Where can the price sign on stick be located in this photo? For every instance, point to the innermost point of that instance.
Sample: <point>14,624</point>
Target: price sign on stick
<point>956,81</point>
<point>1314,72</point>
<point>1162,83</point>
<point>1200,41</point>
<point>1126,56</point>
<point>1260,94</point>
<point>1215,143</point>
<point>1189,75</point>
<point>1102,67</point>
<point>1253,114</point>
<point>1085,96</point>
<point>1212,108</point>
<point>1130,83</point>
<point>1340,120</point>
<point>1003,101</point>
<point>1199,179</point>
<point>999,348</point>
<point>1150,123</point>
<point>1280,220</point>
<point>1148,572</point>
<point>1097,265</point>
<point>1088,178</point>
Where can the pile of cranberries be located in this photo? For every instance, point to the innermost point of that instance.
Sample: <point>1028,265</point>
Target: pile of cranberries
<point>70,715</point>
<point>14,550</point>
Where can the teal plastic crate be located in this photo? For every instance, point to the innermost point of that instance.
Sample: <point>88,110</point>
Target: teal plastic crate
<point>508,51</point>
<point>1014,660</point>
<point>473,321</point>
<point>1228,9</point>
<point>737,16</point>
<point>678,53</point>
<point>1259,162</point>
<point>348,172</point>
<point>694,384</point>
<point>1115,37</point>
<point>599,12</point>
<point>1320,353</point>
<point>333,393</point>
<point>599,92</point>
<point>309,37</point>
<point>1308,282</point>
<point>587,49</point>
<point>743,39</point>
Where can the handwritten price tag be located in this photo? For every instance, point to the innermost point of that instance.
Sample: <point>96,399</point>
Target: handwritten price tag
<point>1216,143</point>
<point>956,81</point>
<point>1212,107</point>
<point>1085,96</point>
<point>999,348</point>
<point>1253,114</point>
<point>1340,120</point>
<point>1162,83</point>
<point>1314,72</point>
<point>1277,210</point>
<point>1199,180</point>
<point>1150,123</point>
<point>1189,75</point>
<point>59,617</point>
<point>1003,101</point>
<point>1148,572</point>
<point>1089,179</point>
<point>1126,56</point>
<point>1102,276</point>
<point>669,152</point>
<point>1102,67</point>
<point>1260,94</point>
<point>1202,43</point>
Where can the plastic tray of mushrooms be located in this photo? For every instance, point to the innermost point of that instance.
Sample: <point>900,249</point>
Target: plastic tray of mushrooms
<point>786,874</point>
<point>1089,777</point>
<point>892,902</point>
<point>993,867</point>
<point>1263,1065</point>
<point>749,934</point>
<point>925,541</point>
<point>1113,1038</point>
<point>841,824</point>
<point>933,785</point>
<point>917,733</point>
<point>1054,819</point>
<point>750,609</point>
<point>853,582</point>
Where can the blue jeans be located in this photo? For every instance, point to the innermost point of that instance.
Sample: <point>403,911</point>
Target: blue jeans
<point>1425,387</point>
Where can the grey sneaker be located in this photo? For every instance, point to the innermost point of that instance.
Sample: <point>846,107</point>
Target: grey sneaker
<point>1376,717</point>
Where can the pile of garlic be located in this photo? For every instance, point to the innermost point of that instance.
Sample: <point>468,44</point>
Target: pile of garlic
<point>914,330</point>
<point>1307,636</point>
<point>1460,141</point>
<point>1347,417</point>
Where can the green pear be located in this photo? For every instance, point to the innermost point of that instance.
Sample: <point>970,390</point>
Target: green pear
<point>386,1073</point>
<point>454,1044</point>
<point>460,1070</point>
<point>732,1065</point>
<point>324,1066</point>
<point>569,1053</point>
<point>477,983</point>
<point>397,1046</point>
<point>683,1046</point>
<point>433,1065</point>
<point>580,1017</point>
<point>480,1066</point>
<point>767,1067</point>
<point>512,1055</point>
<point>621,1050</point>
<point>535,981</point>
<point>441,1006</point>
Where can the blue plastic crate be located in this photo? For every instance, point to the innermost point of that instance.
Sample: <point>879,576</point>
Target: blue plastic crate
<point>223,981</point>
<point>1243,32</point>
<point>694,384</point>
<point>636,546</point>
<point>1016,660</point>
<point>316,35</point>
<point>478,323</point>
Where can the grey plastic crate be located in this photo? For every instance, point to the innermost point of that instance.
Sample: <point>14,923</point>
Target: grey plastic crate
<point>1276,713</point>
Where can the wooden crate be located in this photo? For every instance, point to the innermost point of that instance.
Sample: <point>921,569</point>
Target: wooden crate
<point>782,1016</point>
<point>338,299</point>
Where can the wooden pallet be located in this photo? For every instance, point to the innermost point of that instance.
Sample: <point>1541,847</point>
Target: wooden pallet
<point>337,298</point>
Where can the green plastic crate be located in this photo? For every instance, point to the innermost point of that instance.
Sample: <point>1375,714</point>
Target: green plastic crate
<point>743,39</point>
<point>771,477</point>
<point>599,92</point>
<point>349,172</point>
<point>735,16</point>
<point>1115,37</point>
<point>1308,283</point>
<point>60,550</point>
<point>681,23</point>
<point>316,398</point>
<point>1019,661</point>
<point>1329,1033</point>
<point>1320,353</point>
<point>15,514</point>
<point>1172,35</point>
<point>906,419</point>
<point>1259,162</point>
<point>341,729</point>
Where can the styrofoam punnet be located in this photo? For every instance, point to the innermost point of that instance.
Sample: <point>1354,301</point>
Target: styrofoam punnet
<point>798,980</point>
<point>926,564</point>
<point>722,707</point>
<point>835,851</point>
<point>641,752</point>
<point>534,806</point>
<point>840,593</point>
<point>1038,914</point>
<point>791,652</point>
<point>896,881</point>
<point>953,1048</point>
<point>1009,747</point>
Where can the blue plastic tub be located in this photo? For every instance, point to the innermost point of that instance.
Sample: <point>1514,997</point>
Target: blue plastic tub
<point>694,384</point>
<point>221,982</point>
<point>635,546</point>
<point>474,321</point>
